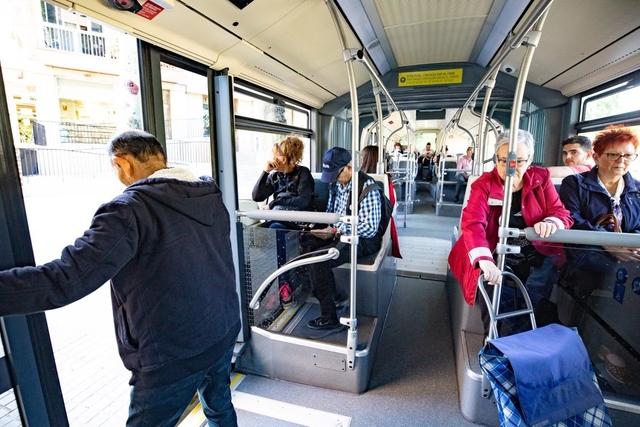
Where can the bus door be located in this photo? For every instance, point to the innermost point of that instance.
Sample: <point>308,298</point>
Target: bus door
<point>28,376</point>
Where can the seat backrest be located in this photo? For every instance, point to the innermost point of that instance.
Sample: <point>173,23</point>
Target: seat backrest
<point>557,182</point>
<point>467,192</point>
<point>320,194</point>
<point>450,164</point>
<point>247,205</point>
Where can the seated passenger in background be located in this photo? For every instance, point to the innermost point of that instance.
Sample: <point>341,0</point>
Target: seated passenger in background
<point>536,264</point>
<point>608,188</point>
<point>424,161</point>
<point>337,170</point>
<point>291,186</point>
<point>577,153</point>
<point>368,164</point>
<point>464,162</point>
<point>397,149</point>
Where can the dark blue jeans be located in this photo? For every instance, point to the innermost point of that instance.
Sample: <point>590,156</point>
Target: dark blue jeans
<point>164,406</point>
<point>461,184</point>
<point>281,247</point>
<point>321,273</point>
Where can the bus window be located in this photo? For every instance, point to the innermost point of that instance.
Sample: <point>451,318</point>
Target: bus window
<point>262,120</point>
<point>185,102</point>
<point>619,103</point>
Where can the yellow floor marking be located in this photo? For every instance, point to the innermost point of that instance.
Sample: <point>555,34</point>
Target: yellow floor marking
<point>271,408</point>
<point>196,416</point>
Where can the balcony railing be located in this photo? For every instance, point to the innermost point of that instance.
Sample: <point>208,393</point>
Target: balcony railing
<point>78,41</point>
<point>78,150</point>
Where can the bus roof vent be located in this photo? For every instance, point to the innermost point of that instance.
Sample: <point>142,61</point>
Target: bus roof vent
<point>276,77</point>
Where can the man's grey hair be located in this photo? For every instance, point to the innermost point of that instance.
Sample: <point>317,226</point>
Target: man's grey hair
<point>139,144</point>
<point>524,137</point>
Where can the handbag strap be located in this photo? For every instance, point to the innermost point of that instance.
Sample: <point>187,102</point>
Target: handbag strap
<point>608,219</point>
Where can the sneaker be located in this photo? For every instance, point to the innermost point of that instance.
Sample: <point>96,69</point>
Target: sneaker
<point>323,322</point>
<point>286,295</point>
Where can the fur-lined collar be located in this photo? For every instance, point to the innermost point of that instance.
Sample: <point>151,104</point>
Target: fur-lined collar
<point>181,174</point>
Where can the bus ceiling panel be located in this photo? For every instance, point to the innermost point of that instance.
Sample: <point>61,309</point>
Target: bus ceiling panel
<point>251,21</point>
<point>615,60</point>
<point>181,30</point>
<point>264,71</point>
<point>574,31</point>
<point>432,31</point>
<point>299,35</point>
<point>312,46</point>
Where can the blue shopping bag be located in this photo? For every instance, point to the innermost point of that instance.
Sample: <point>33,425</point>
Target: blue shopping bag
<point>543,377</point>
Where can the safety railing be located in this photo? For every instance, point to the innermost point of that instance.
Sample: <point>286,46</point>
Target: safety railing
<point>77,41</point>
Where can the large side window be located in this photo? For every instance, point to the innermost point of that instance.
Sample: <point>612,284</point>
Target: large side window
<point>263,119</point>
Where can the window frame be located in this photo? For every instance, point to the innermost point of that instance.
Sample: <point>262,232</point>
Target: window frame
<point>618,85</point>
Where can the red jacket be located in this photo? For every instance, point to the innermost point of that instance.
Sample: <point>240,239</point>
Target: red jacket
<point>481,220</point>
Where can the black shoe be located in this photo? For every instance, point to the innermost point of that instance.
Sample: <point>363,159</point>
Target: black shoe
<point>455,201</point>
<point>323,322</point>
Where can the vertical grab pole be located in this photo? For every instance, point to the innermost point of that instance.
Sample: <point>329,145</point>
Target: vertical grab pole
<point>348,56</point>
<point>378,87</point>
<point>531,41</point>
<point>376,90</point>
<point>478,164</point>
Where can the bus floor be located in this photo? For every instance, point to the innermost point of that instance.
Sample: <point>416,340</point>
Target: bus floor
<point>413,381</point>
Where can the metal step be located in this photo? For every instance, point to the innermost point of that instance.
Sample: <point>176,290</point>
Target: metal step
<point>312,357</point>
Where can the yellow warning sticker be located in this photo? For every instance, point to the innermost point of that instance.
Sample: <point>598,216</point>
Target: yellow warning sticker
<point>434,77</point>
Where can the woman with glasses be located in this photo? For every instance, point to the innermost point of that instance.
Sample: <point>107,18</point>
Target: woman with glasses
<point>535,203</point>
<point>608,188</point>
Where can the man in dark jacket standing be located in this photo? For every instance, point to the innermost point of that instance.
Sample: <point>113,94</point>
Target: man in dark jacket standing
<point>164,243</point>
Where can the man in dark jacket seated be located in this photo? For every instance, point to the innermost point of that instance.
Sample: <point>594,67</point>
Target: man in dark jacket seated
<point>164,243</point>
<point>337,170</point>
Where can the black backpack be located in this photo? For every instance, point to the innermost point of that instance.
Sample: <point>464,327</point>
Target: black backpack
<point>386,207</point>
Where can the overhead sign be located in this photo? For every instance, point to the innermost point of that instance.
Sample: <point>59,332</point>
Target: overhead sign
<point>434,77</point>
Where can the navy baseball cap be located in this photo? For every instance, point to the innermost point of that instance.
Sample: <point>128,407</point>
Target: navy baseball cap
<point>333,160</point>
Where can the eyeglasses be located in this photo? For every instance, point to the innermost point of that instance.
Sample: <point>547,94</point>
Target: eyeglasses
<point>519,162</point>
<point>614,157</point>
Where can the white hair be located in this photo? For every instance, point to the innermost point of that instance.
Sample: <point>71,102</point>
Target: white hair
<point>524,137</point>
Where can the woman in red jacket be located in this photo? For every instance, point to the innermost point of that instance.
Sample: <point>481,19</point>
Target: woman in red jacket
<point>535,203</point>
